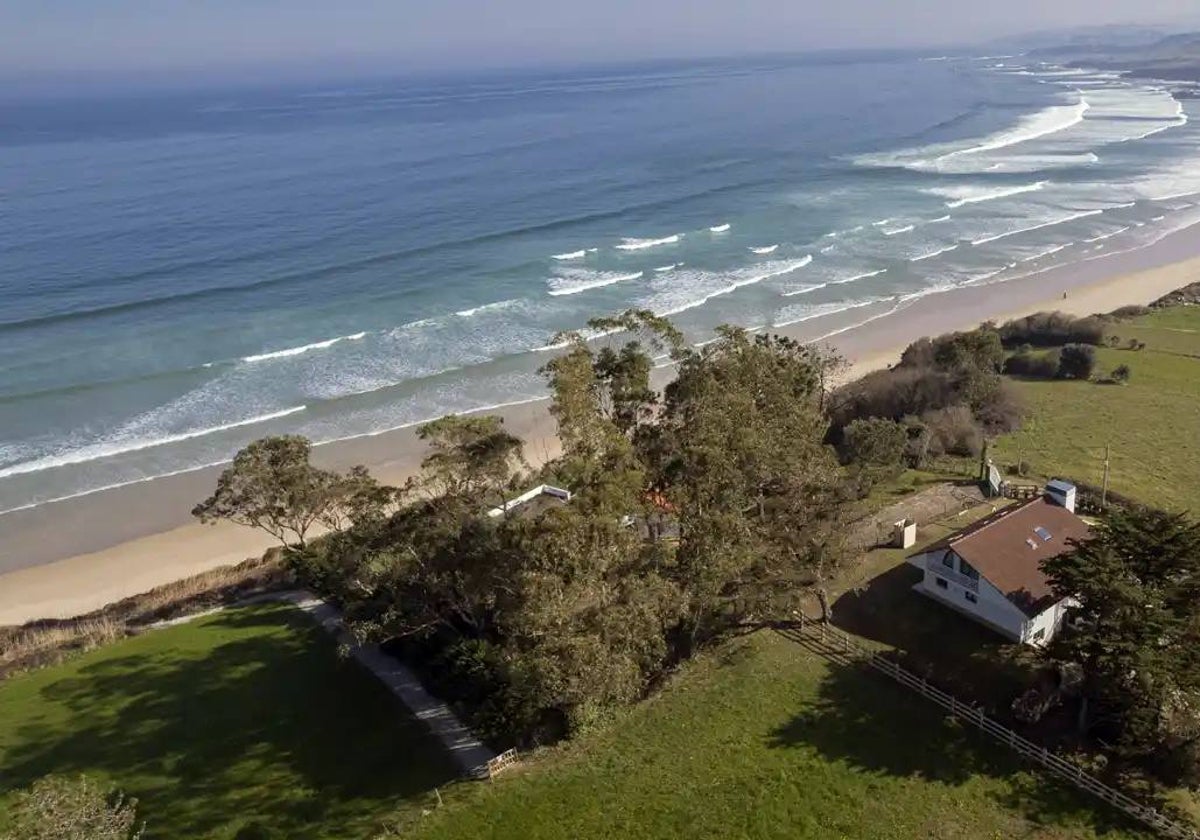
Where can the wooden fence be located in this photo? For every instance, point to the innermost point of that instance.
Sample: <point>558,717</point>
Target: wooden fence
<point>495,765</point>
<point>835,644</point>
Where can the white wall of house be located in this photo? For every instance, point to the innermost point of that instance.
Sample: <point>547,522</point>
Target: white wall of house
<point>1040,630</point>
<point>945,581</point>
<point>982,601</point>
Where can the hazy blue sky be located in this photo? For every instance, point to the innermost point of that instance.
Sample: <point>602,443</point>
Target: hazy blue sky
<point>84,37</point>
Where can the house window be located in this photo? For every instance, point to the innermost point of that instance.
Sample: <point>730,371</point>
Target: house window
<point>1039,635</point>
<point>968,570</point>
<point>941,582</point>
<point>972,597</point>
<point>948,560</point>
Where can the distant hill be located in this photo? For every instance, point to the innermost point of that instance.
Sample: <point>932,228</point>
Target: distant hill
<point>1173,57</point>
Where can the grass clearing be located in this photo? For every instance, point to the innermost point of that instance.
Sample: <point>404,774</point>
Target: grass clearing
<point>1152,423</point>
<point>762,739</point>
<point>243,718</point>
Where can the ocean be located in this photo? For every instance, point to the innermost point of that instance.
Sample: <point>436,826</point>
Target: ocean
<point>181,274</point>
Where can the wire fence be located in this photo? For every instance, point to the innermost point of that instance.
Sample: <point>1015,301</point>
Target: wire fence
<point>835,644</point>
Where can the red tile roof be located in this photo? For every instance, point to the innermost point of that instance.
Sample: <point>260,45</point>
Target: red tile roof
<point>1008,548</point>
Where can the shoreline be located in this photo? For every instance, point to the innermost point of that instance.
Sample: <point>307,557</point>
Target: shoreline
<point>71,556</point>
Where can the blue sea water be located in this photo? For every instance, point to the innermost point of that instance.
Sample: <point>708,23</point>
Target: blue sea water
<point>183,273</point>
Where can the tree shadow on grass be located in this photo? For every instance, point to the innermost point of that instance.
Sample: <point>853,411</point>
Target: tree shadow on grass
<point>935,642</point>
<point>266,725</point>
<point>865,721</point>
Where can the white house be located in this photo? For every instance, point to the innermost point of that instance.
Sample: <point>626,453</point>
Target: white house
<point>532,502</point>
<point>991,571</point>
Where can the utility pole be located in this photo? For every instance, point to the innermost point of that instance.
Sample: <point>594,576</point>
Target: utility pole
<point>1104,488</point>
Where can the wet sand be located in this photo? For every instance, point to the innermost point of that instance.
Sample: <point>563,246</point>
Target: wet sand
<point>68,557</point>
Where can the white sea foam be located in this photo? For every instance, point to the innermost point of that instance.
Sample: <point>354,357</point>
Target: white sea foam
<point>296,351</point>
<point>748,276</point>
<point>936,253</point>
<point>487,307</point>
<point>573,255</point>
<point>1104,236</point>
<point>1061,221</point>
<point>1052,120</point>
<point>862,276</point>
<point>766,249</point>
<point>1047,252</point>
<point>641,244</point>
<point>939,220</point>
<point>824,310</point>
<point>899,230</point>
<point>670,267</point>
<point>576,281</point>
<point>97,451</point>
<point>971,194</point>
<point>1158,218</point>
<point>720,228</point>
<point>827,249</point>
<point>804,290</point>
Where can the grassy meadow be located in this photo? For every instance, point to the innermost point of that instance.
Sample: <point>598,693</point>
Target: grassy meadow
<point>1152,423</point>
<point>245,721</point>
<point>762,739</point>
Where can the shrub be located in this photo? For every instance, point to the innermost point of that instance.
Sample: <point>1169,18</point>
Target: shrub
<point>875,443</point>
<point>1077,361</point>
<point>953,431</point>
<point>1126,312</point>
<point>1121,373</point>
<point>59,808</point>
<point>1033,365</point>
<point>1052,329</point>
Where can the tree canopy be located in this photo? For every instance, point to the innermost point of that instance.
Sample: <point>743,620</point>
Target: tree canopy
<point>1137,638</point>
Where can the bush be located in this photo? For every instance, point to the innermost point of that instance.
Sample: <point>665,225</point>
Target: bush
<point>1121,374</point>
<point>1033,365</point>
<point>875,443</point>
<point>1077,361</point>
<point>1126,312</point>
<point>953,431</point>
<point>1052,329</point>
<point>58,808</point>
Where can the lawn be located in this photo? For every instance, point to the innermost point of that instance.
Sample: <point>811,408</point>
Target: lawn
<point>245,718</point>
<point>762,739</point>
<point>1151,423</point>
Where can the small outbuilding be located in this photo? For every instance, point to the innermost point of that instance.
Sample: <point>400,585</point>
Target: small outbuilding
<point>991,571</point>
<point>533,501</point>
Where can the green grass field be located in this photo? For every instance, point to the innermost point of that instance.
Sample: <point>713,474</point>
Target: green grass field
<point>1152,423</point>
<point>245,717</point>
<point>763,739</point>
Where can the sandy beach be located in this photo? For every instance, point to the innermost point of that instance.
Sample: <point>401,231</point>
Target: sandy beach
<point>64,558</point>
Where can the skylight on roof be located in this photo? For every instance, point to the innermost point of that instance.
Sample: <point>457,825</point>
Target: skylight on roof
<point>1043,533</point>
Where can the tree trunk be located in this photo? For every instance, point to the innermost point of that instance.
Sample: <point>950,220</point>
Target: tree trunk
<point>1081,722</point>
<point>823,599</point>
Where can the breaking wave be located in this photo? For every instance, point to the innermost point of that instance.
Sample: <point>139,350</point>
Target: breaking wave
<point>933,254</point>
<point>899,230</point>
<point>640,244</point>
<point>105,450</point>
<point>720,228</point>
<point>1052,120</point>
<point>961,196</point>
<point>765,249</point>
<point>1061,221</point>
<point>573,255</point>
<point>572,283</point>
<point>487,307</point>
<point>296,351</point>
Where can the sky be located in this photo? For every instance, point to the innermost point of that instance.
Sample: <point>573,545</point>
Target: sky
<point>90,39</point>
